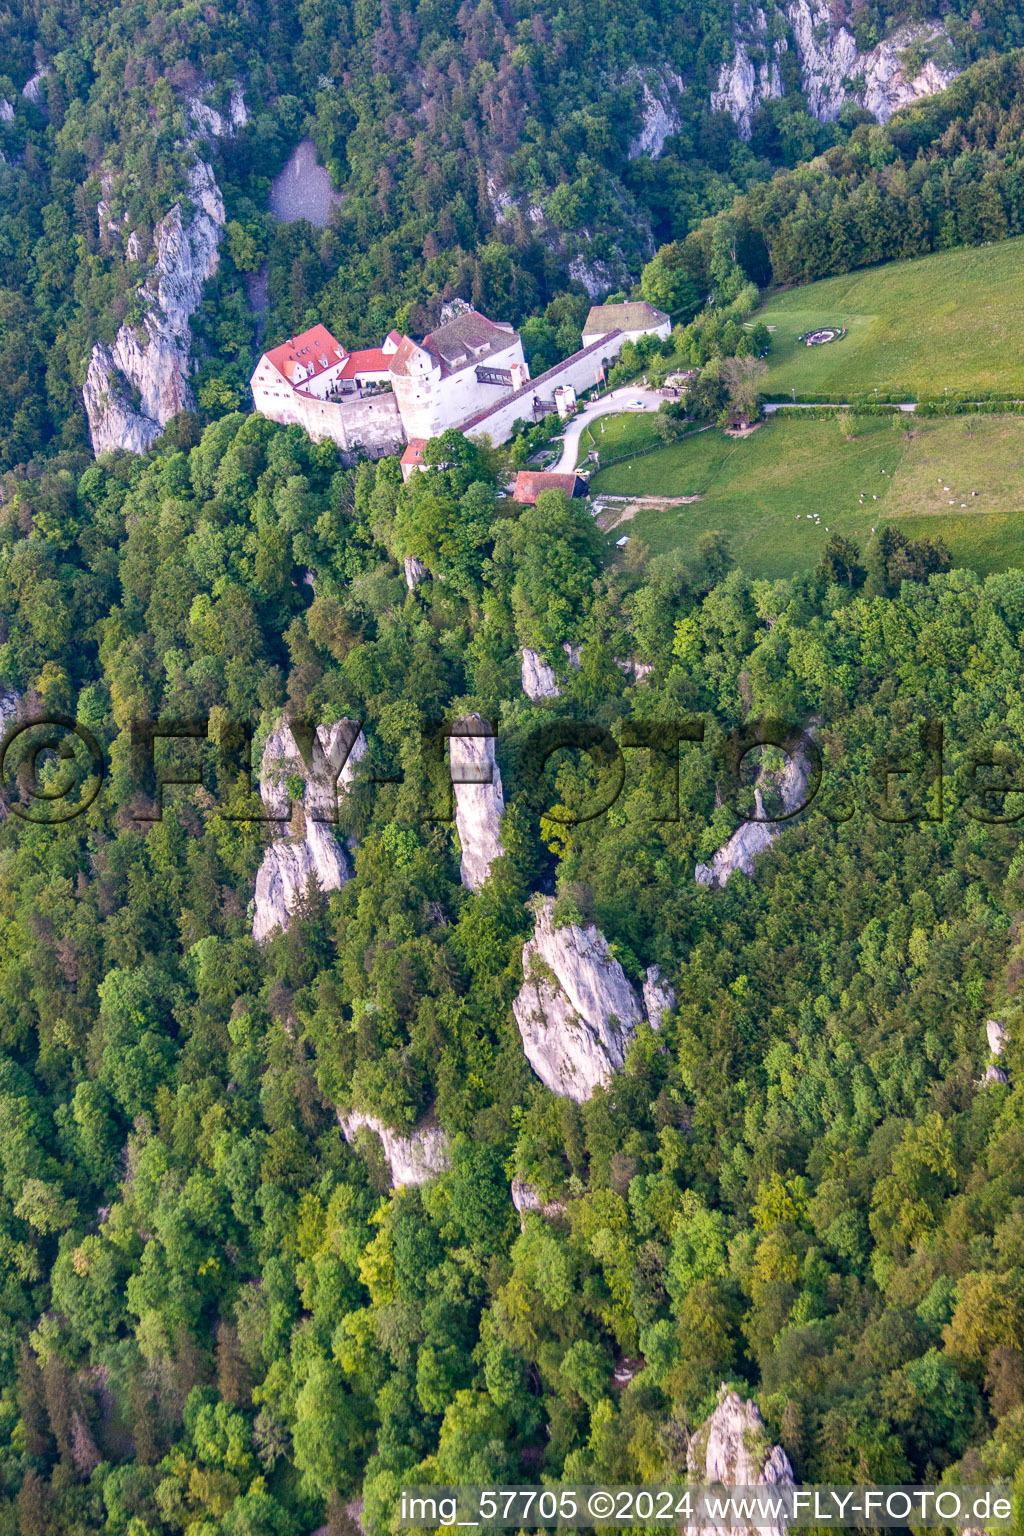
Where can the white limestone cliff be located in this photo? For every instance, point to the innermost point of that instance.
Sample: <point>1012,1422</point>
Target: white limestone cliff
<point>659,112</point>
<point>136,386</point>
<point>598,277</point>
<point>479,800</point>
<point>289,862</point>
<point>997,1038</point>
<point>6,111</point>
<point>539,681</point>
<point>659,997</point>
<point>743,85</point>
<point>208,123</point>
<point>413,1159</point>
<point>32,90</point>
<point>833,70</point>
<point>283,876</point>
<point>755,837</point>
<point>996,1035</point>
<point>415,571</point>
<point>576,1011</point>
<point>731,1447</point>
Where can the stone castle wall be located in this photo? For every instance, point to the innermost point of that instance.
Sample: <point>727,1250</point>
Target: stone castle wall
<point>582,371</point>
<point>371,423</point>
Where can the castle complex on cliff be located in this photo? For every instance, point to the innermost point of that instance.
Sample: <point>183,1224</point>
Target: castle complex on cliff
<point>470,373</point>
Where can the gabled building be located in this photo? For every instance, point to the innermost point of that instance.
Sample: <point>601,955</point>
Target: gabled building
<point>634,319</point>
<point>464,366</point>
<point>469,373</point>
<point>530,483</point>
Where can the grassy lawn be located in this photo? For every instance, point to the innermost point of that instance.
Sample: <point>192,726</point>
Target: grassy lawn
<point>612,435</point>
<point>759,490</point>
<point>952,319</point>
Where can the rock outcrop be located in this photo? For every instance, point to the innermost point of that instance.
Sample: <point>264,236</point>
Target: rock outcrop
<point>6,111</point>
<point>659,997</point>
<point>289,862</point>
<point>415,571</point>
<point>283,876</point>
<point>525,1198</point>
<point>413,1159</point>
<point>539,681</point>
<point>731,1447</point>
<point>833,71</point>
<point>327,767</point>
<point>32,90</point>
<point>743,86</point>
<point>135,387</point>
<point>208,123</point>
<point>754,837</point>
<point>996,1035</point>
<point>636,671</point>
<point>660,117</point>
<point>479,800</point>
<point>997,1038</point>
<point>577,1011</point>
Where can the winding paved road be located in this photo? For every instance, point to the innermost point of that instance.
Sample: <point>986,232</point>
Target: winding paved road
<point>618,401</point>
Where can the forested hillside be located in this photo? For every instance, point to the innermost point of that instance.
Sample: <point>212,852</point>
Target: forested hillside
<point>217,1317</point>
<point>494,151</point>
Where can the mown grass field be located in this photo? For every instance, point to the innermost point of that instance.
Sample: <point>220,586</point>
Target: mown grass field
<point>759,490</point>
<point>953,319</point>
<point>612,435</point>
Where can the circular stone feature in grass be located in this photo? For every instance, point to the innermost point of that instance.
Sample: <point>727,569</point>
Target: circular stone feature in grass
<point>824,336</point>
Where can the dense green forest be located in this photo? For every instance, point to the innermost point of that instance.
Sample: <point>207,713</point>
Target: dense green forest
<point>948,172</point>
<point>216,1316</point>
<point>480,149</point>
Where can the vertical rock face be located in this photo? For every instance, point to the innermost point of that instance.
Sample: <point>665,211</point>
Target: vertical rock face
<point>539,681</point>
<point>754,837</point>
<point>731,1447</point>
<point>413,1159</point>
<point>135,387</point>
<point>327,767</point>
<point>479,801</point>
<point>415,571</point>
<point>283,876</point>
<point>577,1010</point>
<point>525,1198</point>
<point>996,1034</point>
<point>743,86</point>
<point>659,997</point>
<point>659,113</point>
<point>833,71</point>
<point>289,862</point>
<point>997,1038</point>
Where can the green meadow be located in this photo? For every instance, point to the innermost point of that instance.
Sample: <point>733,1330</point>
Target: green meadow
<point>951,320</point>
<point>766,491</point>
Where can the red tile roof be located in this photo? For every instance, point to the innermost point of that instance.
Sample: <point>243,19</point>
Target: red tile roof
<point>372,360</point>
<point>530,483</point>
<point>414,452</point>
<point>316,349</point>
